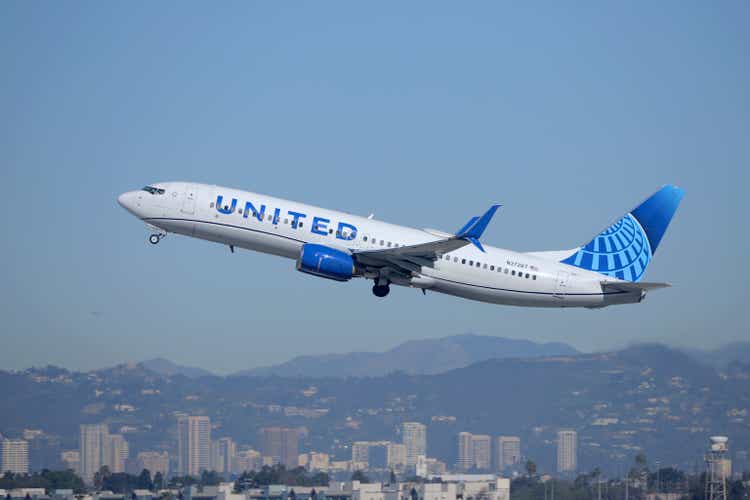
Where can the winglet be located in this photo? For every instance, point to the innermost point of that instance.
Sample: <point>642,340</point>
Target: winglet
<point>467,225</point>
<point>474,229</point>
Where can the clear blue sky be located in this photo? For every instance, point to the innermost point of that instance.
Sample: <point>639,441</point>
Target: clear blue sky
<point>424,113</point>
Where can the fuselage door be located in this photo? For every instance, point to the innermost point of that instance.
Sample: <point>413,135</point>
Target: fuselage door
<point>188,201</point>
<point>562,284</point>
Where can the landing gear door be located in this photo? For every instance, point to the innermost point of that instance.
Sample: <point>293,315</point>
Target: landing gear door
<point>188,200</point>
<point>561,285</point>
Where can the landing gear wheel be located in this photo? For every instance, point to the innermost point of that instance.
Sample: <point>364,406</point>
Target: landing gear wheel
<point>154,239</point>
<point>381,290</point>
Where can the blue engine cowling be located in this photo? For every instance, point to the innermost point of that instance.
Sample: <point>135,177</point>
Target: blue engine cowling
<point>325,262</point>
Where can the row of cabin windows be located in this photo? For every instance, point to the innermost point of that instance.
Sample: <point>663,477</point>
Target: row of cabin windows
<point>504,270</point>
<point>390,244</point>
<point>383,243</point>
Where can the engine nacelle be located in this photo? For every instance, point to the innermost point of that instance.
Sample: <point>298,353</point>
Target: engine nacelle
<point>325,262</point>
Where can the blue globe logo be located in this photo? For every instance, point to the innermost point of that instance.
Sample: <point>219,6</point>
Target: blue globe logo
<point>621,251</point>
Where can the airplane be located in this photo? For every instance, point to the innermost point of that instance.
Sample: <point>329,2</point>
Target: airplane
<point>339,246</point>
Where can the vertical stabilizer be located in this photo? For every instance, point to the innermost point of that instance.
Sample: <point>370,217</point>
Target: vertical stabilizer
<point>625,249</point>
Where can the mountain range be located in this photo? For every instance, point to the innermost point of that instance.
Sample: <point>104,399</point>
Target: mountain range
<point>415,357</point>
<point>646,397</point>
<point>431,356</point>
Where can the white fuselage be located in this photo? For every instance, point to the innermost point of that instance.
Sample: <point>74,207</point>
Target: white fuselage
<point>497,275</point>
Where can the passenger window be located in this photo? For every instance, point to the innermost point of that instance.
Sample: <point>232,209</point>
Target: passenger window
<point>513,272</point>
<point>212,204</point>
<point>492,268</point>
<point>286,221</point>
<point>527,276</point>
<point>300,224</point>
<point>463,261</point>
<point>471,263</point>
<point>455,259</point>
<point>382,242</point>
<point>506,270</point>
<point>363,238</point>
<point>239,211</point>
<point>479,264</point>
<point>485,266</point>
<point>533,277</point>
<point>270,217</point>
<point>389,244</point>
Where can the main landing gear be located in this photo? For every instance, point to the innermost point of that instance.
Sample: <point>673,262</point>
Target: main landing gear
<point>381,288</point>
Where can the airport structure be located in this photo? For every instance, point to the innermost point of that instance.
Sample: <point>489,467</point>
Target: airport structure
<point>719,468</point>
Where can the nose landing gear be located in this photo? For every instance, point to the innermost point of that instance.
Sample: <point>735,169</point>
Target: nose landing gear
<point>155,238</point>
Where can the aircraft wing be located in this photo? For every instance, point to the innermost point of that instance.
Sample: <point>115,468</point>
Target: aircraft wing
<point>412,258</point>
<point>627,286</point>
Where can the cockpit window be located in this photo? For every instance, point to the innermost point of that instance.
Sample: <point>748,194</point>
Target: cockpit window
<point>153,190</point>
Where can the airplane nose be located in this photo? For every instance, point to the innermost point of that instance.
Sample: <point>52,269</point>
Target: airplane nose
<point>127,201</point>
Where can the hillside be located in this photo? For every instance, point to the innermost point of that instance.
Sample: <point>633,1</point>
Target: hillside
<point>428,356</point>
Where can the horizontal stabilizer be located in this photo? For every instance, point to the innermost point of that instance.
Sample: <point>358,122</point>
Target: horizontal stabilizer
<point>626,286</point>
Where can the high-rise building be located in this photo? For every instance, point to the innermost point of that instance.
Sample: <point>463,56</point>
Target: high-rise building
<point>193,445</point>
<point>360,455</point>
<point>222,453</point>
<point>318,461</point>
<point>414,437</point>
<point>567,450</point>
<point>396,456</point>
<point>94,445</point>
<point>71,459</point>
<point>481,445</point>
<point>246,461</point>
<point>508,452</point>
<point>281,445</point>
<point>154,462</point>
<point>465,451</point>
<point>15,456</point>
<point>117,452</point>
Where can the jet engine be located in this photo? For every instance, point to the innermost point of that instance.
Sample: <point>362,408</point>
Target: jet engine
<point>325,262</point>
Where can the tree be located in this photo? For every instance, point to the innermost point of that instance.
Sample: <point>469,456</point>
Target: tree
<point>101,476</point>
<point>210,478</point>
<point>360,476</point>
<point>144,480</point>
<point>530,468</point>
<point>159,481</point>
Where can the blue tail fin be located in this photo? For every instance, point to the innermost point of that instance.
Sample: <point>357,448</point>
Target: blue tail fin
<point>626,248</point>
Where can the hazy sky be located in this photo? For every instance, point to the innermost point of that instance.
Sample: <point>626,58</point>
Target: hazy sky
<point>424,113</point>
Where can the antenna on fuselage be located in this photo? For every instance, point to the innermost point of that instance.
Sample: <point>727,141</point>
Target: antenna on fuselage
<point>371,216</point>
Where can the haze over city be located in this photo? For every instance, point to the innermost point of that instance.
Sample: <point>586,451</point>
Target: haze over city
<point>422,115</point>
